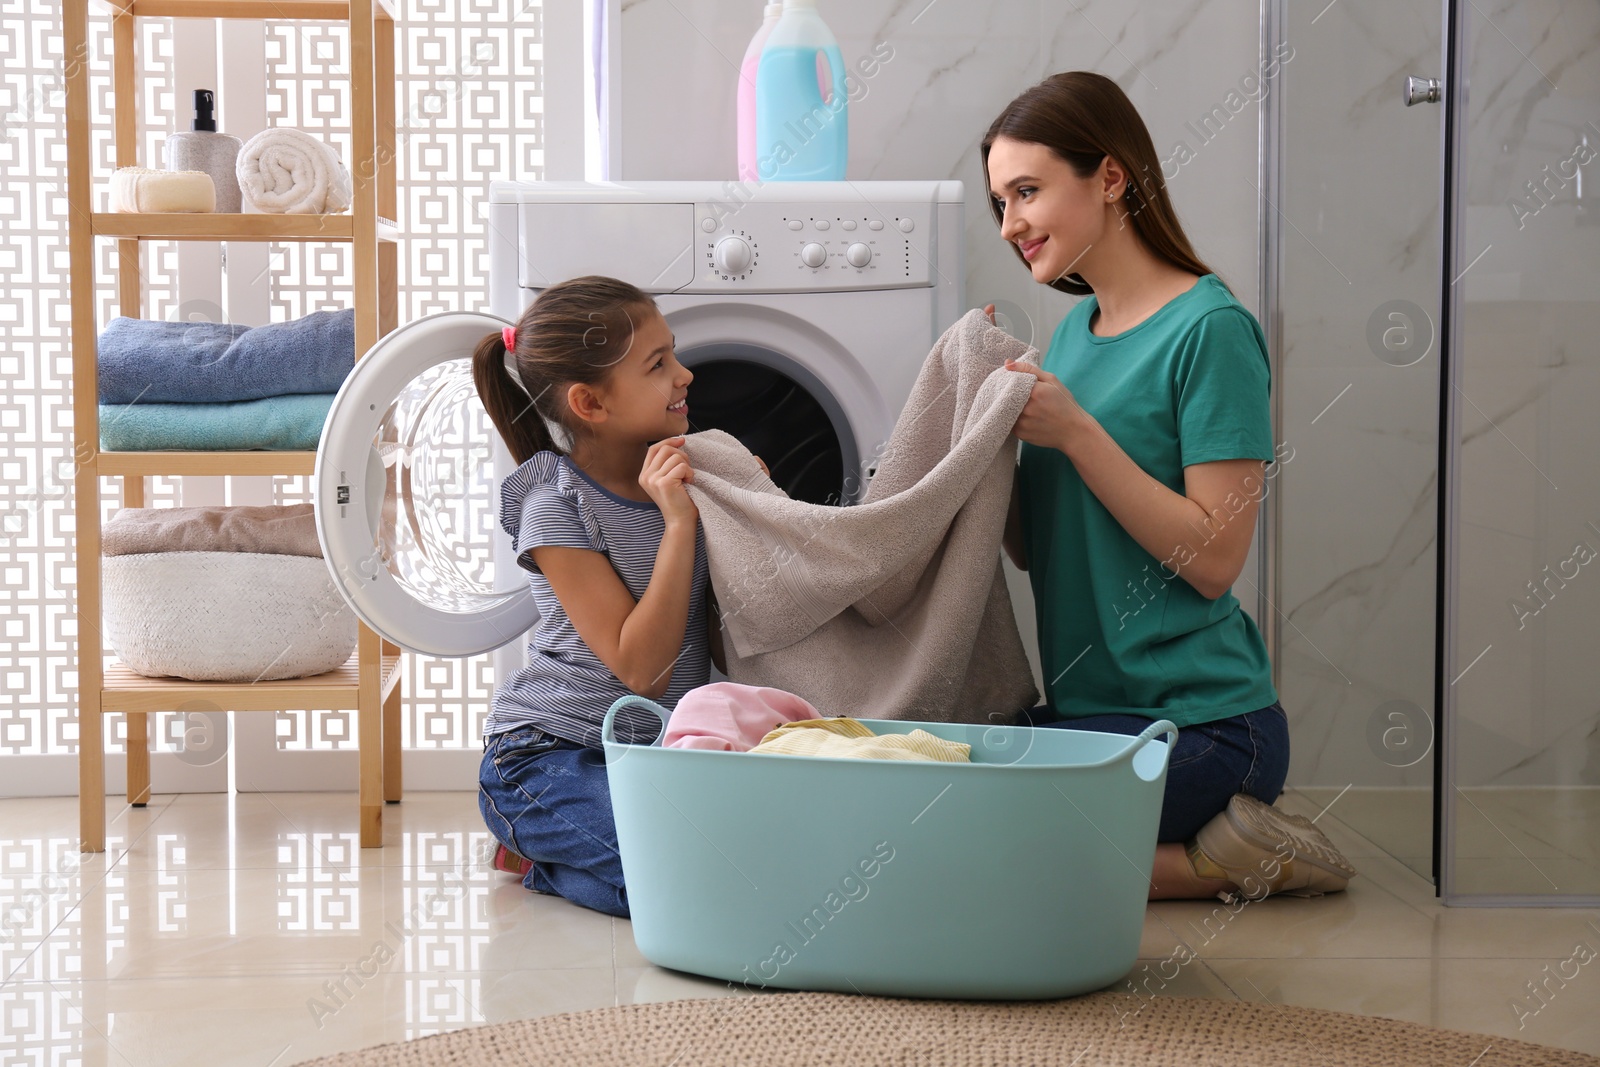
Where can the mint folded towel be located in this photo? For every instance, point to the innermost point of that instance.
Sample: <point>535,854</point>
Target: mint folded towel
<point>279,423</point>
<point>153,361</point>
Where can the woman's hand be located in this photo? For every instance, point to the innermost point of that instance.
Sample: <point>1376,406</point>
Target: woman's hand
<point>665,475</point>
<point>1052,417</point>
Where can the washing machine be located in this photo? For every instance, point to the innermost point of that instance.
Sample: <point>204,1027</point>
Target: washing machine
<point>804,309</point>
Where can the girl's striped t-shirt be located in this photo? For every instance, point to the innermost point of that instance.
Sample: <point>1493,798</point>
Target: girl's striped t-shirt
<point>565,689</point>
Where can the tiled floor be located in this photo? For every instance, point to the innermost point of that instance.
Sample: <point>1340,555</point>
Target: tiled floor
<point>251,930</point>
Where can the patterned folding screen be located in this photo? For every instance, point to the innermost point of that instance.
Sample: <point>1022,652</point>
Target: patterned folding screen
<point>469,110</point>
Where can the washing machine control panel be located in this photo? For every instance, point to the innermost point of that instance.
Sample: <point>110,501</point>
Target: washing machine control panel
<point>768,247</point>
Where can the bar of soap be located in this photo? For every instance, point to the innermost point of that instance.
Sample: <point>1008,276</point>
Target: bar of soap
<point>144,190</point>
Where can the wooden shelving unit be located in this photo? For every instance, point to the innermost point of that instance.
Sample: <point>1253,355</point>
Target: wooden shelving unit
<point>212,227</point>
<point>336,690</point>
<point>369,683</point>
<point>142,464</point>
<point>327,10</point>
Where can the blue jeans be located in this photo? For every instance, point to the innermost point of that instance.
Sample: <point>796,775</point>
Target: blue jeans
<point>1211,762</point>
<point>546,799</point>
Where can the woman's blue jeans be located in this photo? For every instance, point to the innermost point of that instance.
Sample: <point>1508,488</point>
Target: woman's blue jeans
<point>1211,762</point>
<point>546,799</point>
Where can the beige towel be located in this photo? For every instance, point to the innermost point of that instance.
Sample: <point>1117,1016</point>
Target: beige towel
<point>895,608</point>
<point>849,739</point>
<point>290,530</point>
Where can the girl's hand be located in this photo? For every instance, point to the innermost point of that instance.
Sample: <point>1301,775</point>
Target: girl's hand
<point>664,476</point>
<point>1052,416</point>
<point>988,309</point>
<point>762,465</point>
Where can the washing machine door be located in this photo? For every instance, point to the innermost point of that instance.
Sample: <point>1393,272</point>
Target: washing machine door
<point>406,494</point>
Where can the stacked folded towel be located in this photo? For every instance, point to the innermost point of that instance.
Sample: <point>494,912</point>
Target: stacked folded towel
<point>287,530</point>
<point>222,594</point>
<point>151,361</point>
<point>277,424</point>
<point>284,171</point>
<point>219,387</point>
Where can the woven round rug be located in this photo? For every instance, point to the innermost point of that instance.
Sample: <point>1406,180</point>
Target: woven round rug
<point>1100,1030</point>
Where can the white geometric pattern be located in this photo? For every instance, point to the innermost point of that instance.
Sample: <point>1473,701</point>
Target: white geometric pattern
<point>468,111</point>
<point>36,468</point>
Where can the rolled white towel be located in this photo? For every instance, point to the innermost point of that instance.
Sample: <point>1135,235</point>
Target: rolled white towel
<point>289,172</point>
<point>143,190</point>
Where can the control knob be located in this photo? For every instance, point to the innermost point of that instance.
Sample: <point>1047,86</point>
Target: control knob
<point>733,255</point>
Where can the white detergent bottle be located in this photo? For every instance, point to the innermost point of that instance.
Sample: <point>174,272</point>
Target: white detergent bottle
<point>802,127</point>
<point>746,101</point>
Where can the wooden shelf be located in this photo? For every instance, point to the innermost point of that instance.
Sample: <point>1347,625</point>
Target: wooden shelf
<point>327,10</point>
<point>125,690</point>
<point>216,226</point>
<point>369,683</point>
<point>205,463</point>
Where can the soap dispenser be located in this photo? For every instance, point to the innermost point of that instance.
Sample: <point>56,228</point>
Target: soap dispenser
<point>206,150</point>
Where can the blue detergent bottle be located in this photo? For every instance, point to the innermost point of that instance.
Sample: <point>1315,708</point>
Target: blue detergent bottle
<point>802,109</point>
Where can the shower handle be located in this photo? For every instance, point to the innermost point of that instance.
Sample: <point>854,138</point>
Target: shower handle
<point>1423,90</point>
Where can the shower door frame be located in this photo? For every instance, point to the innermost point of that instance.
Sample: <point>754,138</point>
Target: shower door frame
<point>1454,52</point>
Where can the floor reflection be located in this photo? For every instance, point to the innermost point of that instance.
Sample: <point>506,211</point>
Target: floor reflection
<point>253,930</point>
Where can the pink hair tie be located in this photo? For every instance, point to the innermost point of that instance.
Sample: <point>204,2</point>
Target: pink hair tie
<point>509,336</point>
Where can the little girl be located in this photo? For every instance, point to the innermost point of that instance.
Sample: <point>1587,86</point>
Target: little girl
<point>612,546</point>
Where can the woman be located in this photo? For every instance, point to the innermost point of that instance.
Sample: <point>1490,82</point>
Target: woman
<point>1141,472</point>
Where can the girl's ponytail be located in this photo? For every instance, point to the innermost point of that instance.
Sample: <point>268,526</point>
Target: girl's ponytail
<point>510,409</point>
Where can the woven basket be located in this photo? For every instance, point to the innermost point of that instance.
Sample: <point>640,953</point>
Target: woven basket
<point>225,616</point>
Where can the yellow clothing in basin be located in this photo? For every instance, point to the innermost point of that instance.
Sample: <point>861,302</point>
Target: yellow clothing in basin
<point>849,739</point>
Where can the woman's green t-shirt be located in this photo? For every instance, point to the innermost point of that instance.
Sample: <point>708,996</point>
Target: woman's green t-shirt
<point>1119,629</point>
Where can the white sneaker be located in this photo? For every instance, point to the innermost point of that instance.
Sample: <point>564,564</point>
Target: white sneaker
<point>1264,850</point>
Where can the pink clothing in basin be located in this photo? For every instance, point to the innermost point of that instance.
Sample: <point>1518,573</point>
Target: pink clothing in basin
<point>728,717</point>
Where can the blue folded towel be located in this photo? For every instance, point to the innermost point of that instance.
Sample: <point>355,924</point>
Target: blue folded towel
<point>151,361</point>
<point>279,423</point>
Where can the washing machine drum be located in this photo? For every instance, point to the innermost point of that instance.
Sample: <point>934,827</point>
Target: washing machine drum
<point>407,493</point>
<point>776,418</point>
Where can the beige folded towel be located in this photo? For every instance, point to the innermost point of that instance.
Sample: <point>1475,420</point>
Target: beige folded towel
<point>290,530</point>
<point>895,608</point>
<point>143,190</point>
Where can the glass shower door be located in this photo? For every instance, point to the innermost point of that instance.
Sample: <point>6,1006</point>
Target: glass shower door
<point>1521,679</point>
<point>1358,277</point>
